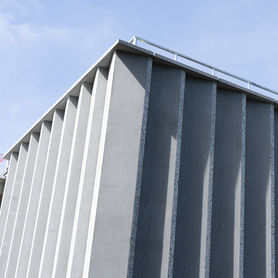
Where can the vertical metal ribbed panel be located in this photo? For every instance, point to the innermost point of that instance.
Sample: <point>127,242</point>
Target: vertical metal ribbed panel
<point>61,172</point>
<point>194,192</point>
<point>146,169</point>
<point>258,255</point>
<point>22,205</point>
<point>33,258</point>
<point>32,205</point>
<point>228,185</point>
<point>152,246</point>
<point>71,188</point>
<point>85,188</point>
<point>13,202</point>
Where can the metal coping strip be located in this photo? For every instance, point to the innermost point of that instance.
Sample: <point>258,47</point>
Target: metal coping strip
<point>213,69</point>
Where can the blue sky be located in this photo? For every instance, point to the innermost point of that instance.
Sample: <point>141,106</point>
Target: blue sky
<point>45,46</point>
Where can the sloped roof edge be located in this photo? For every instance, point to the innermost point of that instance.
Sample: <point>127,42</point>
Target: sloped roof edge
<point>104,61</point>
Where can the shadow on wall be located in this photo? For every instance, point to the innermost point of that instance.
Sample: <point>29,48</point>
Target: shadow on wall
<point>2,185</point>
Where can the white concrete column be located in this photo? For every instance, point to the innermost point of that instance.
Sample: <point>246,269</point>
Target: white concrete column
<point>61,172</point>
<point>72,182</point>
<point>11,211</point>
<point>42,212</point>
<point>7,192</point>
<point>119,158</point>
<point>32,206</point>
<point>21,206</point>
<point>85,187</point>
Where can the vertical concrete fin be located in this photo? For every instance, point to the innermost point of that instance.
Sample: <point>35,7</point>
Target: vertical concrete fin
<point>32,205</point>
<point>193,221</point>
<point>72,182</point>
<point>153,235</point>
<point>21,206</point>
<point>61,172</point>
<point>7,192</point>
<point>228,183</point>
<point>240,203</point>
<point>177,178</point>
<point>33,258</point>
<point>13,202</point>
<point>116,170</point>
<point>276,188</point>
<point>87,177</point>
<point>271,270</point>
<point>259,178</point>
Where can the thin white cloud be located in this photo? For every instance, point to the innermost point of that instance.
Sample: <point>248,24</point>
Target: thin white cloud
<point>21,6</point>
<point>30,35</point>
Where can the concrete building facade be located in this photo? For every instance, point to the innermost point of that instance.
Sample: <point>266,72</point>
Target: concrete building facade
<point>146,167</point>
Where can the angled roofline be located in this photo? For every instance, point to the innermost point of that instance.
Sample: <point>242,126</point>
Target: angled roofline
<point>213,69</point>
<point>105,60</point>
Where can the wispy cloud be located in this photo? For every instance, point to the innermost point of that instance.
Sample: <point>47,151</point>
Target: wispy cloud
<point>21,6</point>
<point>26,34</point>
<point>29,35</point>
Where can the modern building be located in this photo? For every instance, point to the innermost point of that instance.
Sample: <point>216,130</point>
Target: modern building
<point>146,168</point>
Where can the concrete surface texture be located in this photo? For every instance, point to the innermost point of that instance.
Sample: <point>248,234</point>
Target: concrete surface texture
<point>146,168</point>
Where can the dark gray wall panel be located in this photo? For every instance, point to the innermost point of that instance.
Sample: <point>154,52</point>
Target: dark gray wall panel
<point>193,212</point>
<point>152,249</point>
<point>259,179</point>
<point>228,183</point>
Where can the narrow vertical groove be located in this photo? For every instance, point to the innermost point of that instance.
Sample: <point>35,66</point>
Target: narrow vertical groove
<point>45,195</point>
<point>177,175</point>
<point>271,271</point>
<point>242,190</point>
<point>28,226</point>
<point>207,211</point>
<point>22,206</point>
<point>275,224</point>
<point>87,177</point>
<point>7,232</point>
<point>50,238</point>
<point>72,182</point>
<point>140,170</point>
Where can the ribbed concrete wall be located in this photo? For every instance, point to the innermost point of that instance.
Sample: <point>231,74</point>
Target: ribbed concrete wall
<point>149,171</point>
